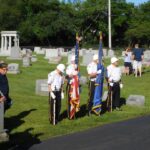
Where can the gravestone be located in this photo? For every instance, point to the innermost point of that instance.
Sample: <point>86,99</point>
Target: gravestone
<point>26,61</point>
<point>146,60</point>
<point>123,53</point>
<point>111,53</point>
<point>83,80</point>
<point>55,60</point>
<point>15,51</point>
<point>33,58</point>
<point>51,53</point>
<point>41,51</point>
<point>136,100</point>
<point>105,96</point>
<point>70,54</point>
<point>3,135</point>
<point>104,52</point>
<point>87,58</point>
<point>41,87</point>
<point>37,49</point>
<point>23,51</point>
<point>13,68</point>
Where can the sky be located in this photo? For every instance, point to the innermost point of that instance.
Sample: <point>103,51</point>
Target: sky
<point>137,2</point>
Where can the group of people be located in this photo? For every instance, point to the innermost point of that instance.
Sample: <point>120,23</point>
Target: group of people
<point>57,78</point>
<point>133,61</point>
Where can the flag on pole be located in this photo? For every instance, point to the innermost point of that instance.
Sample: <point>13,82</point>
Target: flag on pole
<point>97,101</point>
<point>74,87</point>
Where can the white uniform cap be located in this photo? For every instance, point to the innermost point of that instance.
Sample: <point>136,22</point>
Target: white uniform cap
<point>61,67</point>
<point>73,58</point>
<point>114,59</point>
<point>95,57</point>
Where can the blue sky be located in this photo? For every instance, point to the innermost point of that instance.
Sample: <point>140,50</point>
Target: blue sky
<point>137,2</point>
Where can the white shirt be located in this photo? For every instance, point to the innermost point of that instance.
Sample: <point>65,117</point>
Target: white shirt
<point>127,57</point>
<point>71,69</point>
<point>55,80</point>
<point>91,69</point>
<point>114,73</point>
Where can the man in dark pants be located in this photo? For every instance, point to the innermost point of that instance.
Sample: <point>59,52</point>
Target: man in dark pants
<point>4,86</point>
<point>92,73</point>
<point>55,83</point>
<point>114,80</point>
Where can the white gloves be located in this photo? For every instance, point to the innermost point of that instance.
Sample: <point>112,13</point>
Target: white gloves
<point>62,95</point>
<point>53,95</point>
<point>99,71</point>
<point>111,84</point>
<point>121,85</point>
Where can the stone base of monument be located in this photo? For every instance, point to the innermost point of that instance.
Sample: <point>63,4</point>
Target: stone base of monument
<point>41,87</point>
<point>136,100</point>
<point>55,60</point>
<point>4,137</point>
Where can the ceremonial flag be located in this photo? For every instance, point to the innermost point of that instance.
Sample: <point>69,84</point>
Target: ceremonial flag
<point>74,89</point>
<point>97,101</point>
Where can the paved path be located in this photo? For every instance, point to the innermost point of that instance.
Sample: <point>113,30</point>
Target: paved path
<point>128,135</point>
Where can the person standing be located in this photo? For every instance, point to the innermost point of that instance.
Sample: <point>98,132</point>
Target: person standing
<point>92,73</point>
<point>4,86</point>
<point>114,79</point>
<point>55,87</point>
<point>128,61</point>
<point>138,57</point>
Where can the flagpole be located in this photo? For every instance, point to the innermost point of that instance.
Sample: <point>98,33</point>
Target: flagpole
<point>109,24</point>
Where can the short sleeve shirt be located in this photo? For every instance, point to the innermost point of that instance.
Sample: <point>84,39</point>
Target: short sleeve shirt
<point>138,52</point>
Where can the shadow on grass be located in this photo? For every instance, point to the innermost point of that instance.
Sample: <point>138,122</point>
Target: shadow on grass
<point>82,112</point>
<point>19,140</point>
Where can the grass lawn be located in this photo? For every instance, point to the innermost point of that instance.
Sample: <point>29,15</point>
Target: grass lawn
<point>28,122</point>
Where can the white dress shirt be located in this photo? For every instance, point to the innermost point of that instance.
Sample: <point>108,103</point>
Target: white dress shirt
<point>71,69</point>
<point>114,73</point>
<point>91,69</point>
<point>55,80</point>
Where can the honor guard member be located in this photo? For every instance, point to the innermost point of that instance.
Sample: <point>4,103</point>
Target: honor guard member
<point>55,86</point>
<point>114,79</point>
<point>92,73</point>
<point>4,86</point>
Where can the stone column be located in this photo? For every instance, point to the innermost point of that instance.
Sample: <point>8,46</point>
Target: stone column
<point>9,48</point>
<point>5,43</point>
<point>2,43</point>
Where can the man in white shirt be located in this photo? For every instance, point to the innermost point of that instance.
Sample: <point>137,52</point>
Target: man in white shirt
<point>114,79</point>
<point>55,83</point>
<point>92,73</point>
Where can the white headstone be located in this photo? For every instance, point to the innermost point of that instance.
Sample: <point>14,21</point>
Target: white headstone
<point>51,53</point>
<point>41,87</point>
<point>136,100</point>
<point>13,68</point>
<point>111,53</point>
<point>26,61</point>
<point>83,80</point>
<point>37,49</point>
<point>87,58</point>
<point>104,52</point>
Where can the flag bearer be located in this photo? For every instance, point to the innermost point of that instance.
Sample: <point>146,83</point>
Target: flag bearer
<point>114,80</point>
<point>55,85</point>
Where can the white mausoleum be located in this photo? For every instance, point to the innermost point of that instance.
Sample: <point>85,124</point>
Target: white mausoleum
<point>8,40</point>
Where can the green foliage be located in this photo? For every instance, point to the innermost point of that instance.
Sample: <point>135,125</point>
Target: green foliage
<point>51,22</point>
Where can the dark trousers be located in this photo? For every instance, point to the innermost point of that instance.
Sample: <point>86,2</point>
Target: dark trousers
<point>116,95</point>
<point>91,94</point>
<point>57,105</point>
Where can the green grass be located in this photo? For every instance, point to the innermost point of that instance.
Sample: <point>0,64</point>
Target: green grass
<point>28,122</point>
